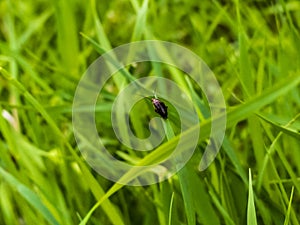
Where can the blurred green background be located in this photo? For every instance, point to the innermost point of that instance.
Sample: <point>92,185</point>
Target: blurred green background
<point>253,48</point>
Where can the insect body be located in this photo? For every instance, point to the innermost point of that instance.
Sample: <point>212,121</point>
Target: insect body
<point>160,107</point>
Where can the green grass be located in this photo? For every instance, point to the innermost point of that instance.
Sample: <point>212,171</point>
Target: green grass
<point>253,48</point>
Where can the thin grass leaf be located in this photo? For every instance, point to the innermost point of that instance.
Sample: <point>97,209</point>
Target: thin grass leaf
<point>140,24</point>
<point>67,35</point>
<point>96,189</point>
<point>234,159</point>
<point>283,196</point>
<point>202,203</point>
<point>234,115</point>
<point>283,128</point>
<point>251,212</point>
<point>221,209</point>
<point>101,35</point>
<point>30,197</point>
<point>288,212</point>
<point>272,149</point>
<point>265,98</point>
<point>252,48</point>
<point>113,61</point>
<point>35,26</point>
<point>187,194</point>
<point>262,170</point>
<point>171,209</point>
<point>184,181</point>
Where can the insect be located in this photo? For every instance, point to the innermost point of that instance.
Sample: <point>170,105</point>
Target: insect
<point>160,107</point>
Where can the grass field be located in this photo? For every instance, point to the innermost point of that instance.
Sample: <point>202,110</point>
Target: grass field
<point>253,48</point>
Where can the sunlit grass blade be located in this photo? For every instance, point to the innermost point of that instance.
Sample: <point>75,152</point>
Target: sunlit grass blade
<point>262,170</point>
<point>67,35</point>
<point>220,207</point>
<point>251,212</point>
<point>96,189</point>
<point>288,212</point>
<point>252,106</point>
<point>272,149</point>
<point>140,21</point>
<point>252,47</point>
<point>101,35</point>
<point>111,59</point>
<point>234,159</point>
<point>293,132</point>
<point>187,195</point>
<point>171,209</point>
<point>234,115</point>
<point>30,197</point>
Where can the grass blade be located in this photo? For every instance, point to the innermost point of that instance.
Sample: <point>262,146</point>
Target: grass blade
<point>251,213</point>
<point>30,197</point>
<point>96,189</point>
<point>287,216</point>
<point>171,207</point>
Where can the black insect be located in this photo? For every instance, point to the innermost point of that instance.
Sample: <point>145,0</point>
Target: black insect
<point>160,107</point>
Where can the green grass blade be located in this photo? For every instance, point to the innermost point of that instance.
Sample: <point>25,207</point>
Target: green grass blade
<point>67,35</point>
<point>287,216</point>
<point>30,197</point>
<point>293,132</point>
<point>243,111</point>
<point>234,115</point>
<point>184,181</point>
<point>113,61</point>
<point>187,195</point>
<point>234,159</point>
<point>252,48</point>
<point>140,24</point>
<point>171,208</point>
<point>221,209</point>
<point>96,189</point>
<point>251,213</point>
<point>101,35</point>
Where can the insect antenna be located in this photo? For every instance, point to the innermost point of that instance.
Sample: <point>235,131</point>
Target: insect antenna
<point>154,92</point>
